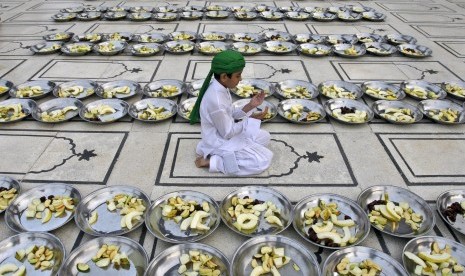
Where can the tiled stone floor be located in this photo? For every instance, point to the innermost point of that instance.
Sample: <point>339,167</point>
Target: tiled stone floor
<point>426,158</point>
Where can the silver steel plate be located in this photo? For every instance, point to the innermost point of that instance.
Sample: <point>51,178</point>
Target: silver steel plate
<point>120,106</point>
<point>445,200</point>
<point>308,106</point>
<point>9,183</point>
<point>169,106</point>
<point>57,104</point>
<point>272,110</point>
<point>380,106</point>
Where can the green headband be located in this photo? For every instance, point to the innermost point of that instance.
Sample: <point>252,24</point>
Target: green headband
<point>225,62</point>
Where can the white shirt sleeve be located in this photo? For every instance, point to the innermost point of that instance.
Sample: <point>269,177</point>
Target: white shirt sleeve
<point>227,128</point>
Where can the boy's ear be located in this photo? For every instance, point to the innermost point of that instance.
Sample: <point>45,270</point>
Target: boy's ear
<point>223,76</point>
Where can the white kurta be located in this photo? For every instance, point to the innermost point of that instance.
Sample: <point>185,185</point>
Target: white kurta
<point>234,148</point>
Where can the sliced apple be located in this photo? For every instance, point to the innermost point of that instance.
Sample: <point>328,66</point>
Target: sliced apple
<point>47,216</point>
<point>341,223</point>
<point>335,237</point>
<point>391,209</point>
<point>326,226</point>
<point>434,258</point>
<point>93,217</point>
<point>386,214</point>
<point>415,258</point>
<point>129,217</point>
<point>20,272</point>
<point>185,224</point>
<point>8,268</point>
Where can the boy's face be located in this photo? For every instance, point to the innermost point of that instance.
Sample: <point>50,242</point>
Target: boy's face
<point>233,81</point>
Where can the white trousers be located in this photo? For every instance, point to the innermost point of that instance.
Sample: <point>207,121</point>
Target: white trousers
<point>253,158</point>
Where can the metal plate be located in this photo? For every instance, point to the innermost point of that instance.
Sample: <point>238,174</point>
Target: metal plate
<point>290,9</point>
<point>397,194</point>
<point>271,108</point>
<point>23,241</point>
<point>165,16</point>
<point>424,244</point>
<point>64,17</point>
<point>292,84</point>
<point>89,88</point>
<point>133,86</point>
<point>139,16</point>
<point>354,89</point>
<point>332,104</point>
<point>211,47</point>
<point>62,36</point>
<point>299,254</point>
<point>414,51</point>
<point>314,9</point>
<point>184,107</point>
<point>70,49</point>
<point>297,16</point>
<point>261,85</point>
<point>150,48</point>
<point>57,104</point>
<point>141,9</point>
<point>108,223</point>
<point>262,8</point>
<point>379,107</point>
<point>308,105</point>
<point>246,48</point>
<point>193,88</point>
<point>136,253</point>
<point>374,16</point>
<point>367,38</point>
<point>118,36</point>
<point>166,9</point>
<point>167,262</point>
<point>398,39</point>
<point>340,50</point>
<point>90,37</point>
<point>26,105</point>
<point>214,36</point>
<point>349,16</point>
<point>179,46</point>
<point>184,35</point>
<point>115,15</point>
<point>309,38</point>
<point>216,8</point>
<point>150,88</point>
<point>279,47</point>
<point>191,15</point>
<point>429,87</point>
<point>277,36</point>
<point>217,14</point>
<point>120,106</point>
<point>9,183</point>
<point>118,8</point>
<point>15,216</point>
<point>45,48</point>
<point>119,47</point>
<point>263,194</point>
<point>88,16</point>
<point>323,16</point>
<point>168,230</point>
<point>271,15</point>
<point>380,49</point>
<point>346,206</point>
<point>383,86</point>
<point>192,8</point>
<point>169,105</point>
<point>47,87</point>
<point>90,8</point>
<point>314,50</point>
<point>428,105</point>
<point>341,39</point>
<point>445,200</point>
<point>450,86</point>
<point>337,9</point>
<point>150,38</point>
<point>388,265</point>
<point>5,86</point>
<point>241,9</point>
<point>245,16</point>
<point>246,37</point>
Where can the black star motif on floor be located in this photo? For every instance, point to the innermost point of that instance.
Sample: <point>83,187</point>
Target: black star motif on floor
<point>160,29</point>
<point>286,71</point>
<point>313,157</point>
<point>136,70</point>
<point>431,71</point>
<point>86,155</point>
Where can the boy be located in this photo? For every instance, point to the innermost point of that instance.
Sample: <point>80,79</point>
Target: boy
<point>229,147</point>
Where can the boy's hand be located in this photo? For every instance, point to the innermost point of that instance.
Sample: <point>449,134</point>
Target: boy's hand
<point>257,99</point>
<point>260,115</point>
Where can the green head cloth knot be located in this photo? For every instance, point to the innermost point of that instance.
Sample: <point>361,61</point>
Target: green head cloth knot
<point>225,62</point>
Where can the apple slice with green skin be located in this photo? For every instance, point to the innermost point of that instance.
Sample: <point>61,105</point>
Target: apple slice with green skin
<point>20,272</point>
<point>93,218</point>
<point>415,258</point>
<point>391,209</point>
<point>325,227</point>
<point>47,216</point>
<point>8,268</point>
<point>130,216</point>
<point>386,214</point>
<point>335,237</point>
<point>185,224</point>
<point>434,258</point>
<point>341,223</point>
<point>462,204</point>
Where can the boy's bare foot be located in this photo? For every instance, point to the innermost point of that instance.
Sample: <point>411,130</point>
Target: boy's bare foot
<point>201,162</point>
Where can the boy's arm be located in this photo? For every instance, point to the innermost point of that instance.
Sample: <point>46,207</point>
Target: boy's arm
<point>227,128</point>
